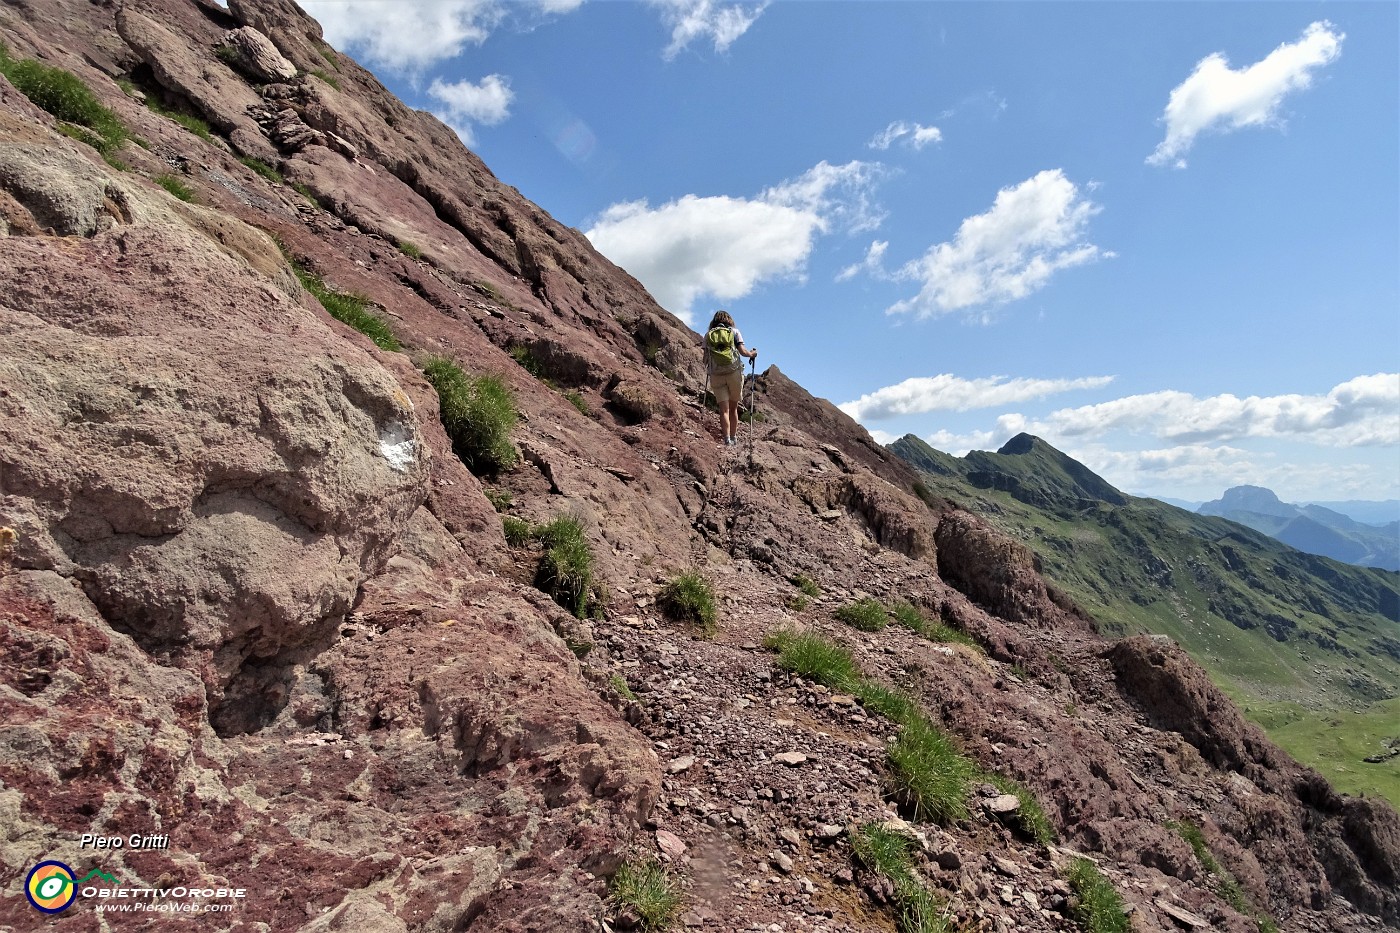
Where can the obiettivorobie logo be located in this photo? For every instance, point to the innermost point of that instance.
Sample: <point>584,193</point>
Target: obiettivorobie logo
<point>51,887</point>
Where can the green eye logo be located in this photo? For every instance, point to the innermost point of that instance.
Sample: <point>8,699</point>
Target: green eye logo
<point>50,887</point>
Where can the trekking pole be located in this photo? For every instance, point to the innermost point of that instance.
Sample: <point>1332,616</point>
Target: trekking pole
<point>753,365</point>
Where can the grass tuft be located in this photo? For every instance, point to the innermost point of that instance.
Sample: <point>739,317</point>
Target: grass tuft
<point>349,308</point>
<point>806,584</point>
<point>1098,908</point>
<point>931,777</point>
<point>195,125</point>
<point>815,658</point>
<point>888,852</point>
<point>868,615</point>
<point>500,499</point>
<point>263,169</point>
<point>478,414</point>
<point>577,400</point>
<point>1030,816</point>
<point>326,77</point>
<point>689,597</point>
<point>566,569</point>
<point>517,531</point>
<point>176,187</point>
<point>648,891</point>
<point>65,96</point>
<point>409,250</point>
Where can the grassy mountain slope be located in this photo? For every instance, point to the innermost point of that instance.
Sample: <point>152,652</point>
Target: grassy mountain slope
<point>1305,644</point>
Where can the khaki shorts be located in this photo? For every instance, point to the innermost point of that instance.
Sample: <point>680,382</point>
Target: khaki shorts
<point>728,386</point>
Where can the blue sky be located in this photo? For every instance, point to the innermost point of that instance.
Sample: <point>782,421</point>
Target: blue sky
<point>1163,236</point>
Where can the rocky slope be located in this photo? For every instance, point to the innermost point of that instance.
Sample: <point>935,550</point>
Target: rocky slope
<point>257,605</point>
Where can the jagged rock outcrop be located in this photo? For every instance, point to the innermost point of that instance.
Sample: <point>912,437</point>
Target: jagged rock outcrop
<point>259,606</point>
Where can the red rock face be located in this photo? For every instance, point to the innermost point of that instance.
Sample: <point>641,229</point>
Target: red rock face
<point>258,605</point>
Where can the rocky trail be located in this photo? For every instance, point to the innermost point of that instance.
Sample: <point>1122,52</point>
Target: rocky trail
<point>257,605</point>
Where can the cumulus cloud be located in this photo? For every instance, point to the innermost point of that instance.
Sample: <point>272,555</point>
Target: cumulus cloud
<point>1203,471</point>
<point>873,264</point>
<point>409,36</point>
<point>1218,97</point>
<point>946,392</point>
<point>725,246</point>
<point>1360,412</point>
<point>914,135</point>
<point>690,20</point>
<point>1032,231</point>
<point>464,103</point>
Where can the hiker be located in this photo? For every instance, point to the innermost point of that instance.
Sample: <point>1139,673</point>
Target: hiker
<point>724,346</point>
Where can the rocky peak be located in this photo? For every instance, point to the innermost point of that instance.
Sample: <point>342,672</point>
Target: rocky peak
<point>258,605</point>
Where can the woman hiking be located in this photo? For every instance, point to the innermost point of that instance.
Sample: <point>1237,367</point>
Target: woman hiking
<point>724,353</point>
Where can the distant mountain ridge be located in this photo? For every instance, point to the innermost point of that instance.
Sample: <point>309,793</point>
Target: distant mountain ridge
<point>1297,637</point>
<point>1313,529</point>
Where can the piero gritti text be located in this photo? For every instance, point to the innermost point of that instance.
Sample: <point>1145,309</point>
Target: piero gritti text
<point>136,841</point>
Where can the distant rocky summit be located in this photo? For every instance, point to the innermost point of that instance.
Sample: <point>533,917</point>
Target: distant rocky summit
<point>1312,529</point>
<point>270,613</point>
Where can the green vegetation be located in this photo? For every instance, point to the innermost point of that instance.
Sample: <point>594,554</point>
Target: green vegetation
<point>262,168</point>
<point>806,584</point>
<point>523,355</point>
<point>409,250</point>
<point>931,777</point>
<point>619,685</point>
<point>227,54</point>
<point>814,658</point>
<point>176,187</point>
<point>302,189</point>
<point>1228,886</point>
<point>500,499</point>
<point>1302,643</point>
<point>326,77</point>
<point>888,852</point>
<point>478,414</point>
<point>1341,740</point>
<point>68,99</point>
<point>797,602</point>
<point>194,124</point>
<point>518,532</point>
<point>1098,908</point>
<point>348,308</point>
<point>649,891</point>
<point>566,569</point>
<point>1030,816</point>
<point>689,598</point>
<point>868,615</point>
<point>328,54</point>
<point>577,400</point>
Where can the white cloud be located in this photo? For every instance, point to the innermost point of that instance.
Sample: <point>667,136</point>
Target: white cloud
<point>408,36</point>
<point>1032,230</point>
<point>959,444</point>
<point>1200,471</point>
<point>873,264</point>
<point>914,134</point>
<point>690,20</point>
<point>946,392</point>
<point>1217,97</point>
<point>1361,412</point>
<point>464,103</point>
<point>725,246</point>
